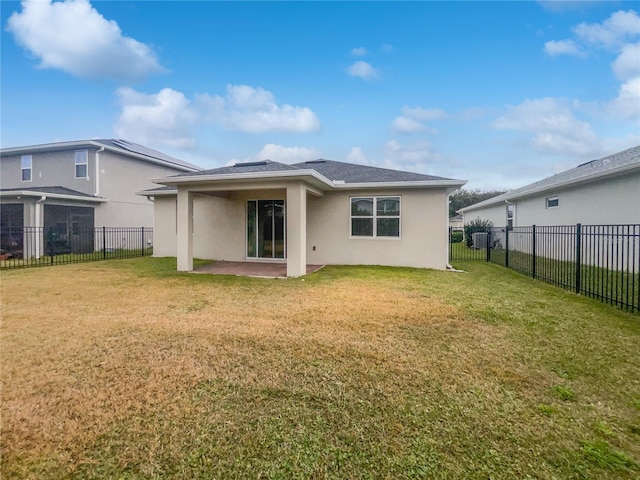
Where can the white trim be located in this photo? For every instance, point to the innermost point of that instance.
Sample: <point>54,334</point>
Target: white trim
<point>85,163</point>
<point>22,169</point>
<point>302,175</point>
<point>374,217</point>
<point>35,193</point>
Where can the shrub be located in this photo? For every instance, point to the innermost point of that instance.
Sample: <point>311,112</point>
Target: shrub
<point>456,237</point>
<point>474,226</point>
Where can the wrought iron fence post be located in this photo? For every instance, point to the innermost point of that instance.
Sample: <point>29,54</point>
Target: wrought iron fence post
<point>533,251</point>
<point>50,243</point>
<point>104,242</point>
<point>506,247</point>
<point>143,241</point>
<point>489,244</point>
<point>578,255</point>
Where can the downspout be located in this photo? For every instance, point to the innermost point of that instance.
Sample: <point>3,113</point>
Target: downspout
<point>97,194</point>
<point>37,225</point>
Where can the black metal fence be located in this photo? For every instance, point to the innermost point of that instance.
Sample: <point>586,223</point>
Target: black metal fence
<point>38,246</point>
<point>599,261</point>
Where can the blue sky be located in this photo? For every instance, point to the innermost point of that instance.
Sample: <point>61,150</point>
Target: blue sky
<point>497,93</point>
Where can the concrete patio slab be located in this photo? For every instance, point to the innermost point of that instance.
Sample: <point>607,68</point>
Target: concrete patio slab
<point>250,269</point>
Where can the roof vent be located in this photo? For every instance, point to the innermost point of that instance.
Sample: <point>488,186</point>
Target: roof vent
<point>251,164</point>
<point>316,161</point>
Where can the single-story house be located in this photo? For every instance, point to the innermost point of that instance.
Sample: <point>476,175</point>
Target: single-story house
<point>317,212</point>
<point>605,191</point>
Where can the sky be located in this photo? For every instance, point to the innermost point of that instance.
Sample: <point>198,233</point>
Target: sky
<point>497,93</point>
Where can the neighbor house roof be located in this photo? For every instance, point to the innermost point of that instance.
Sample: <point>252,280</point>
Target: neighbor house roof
<point>325,174</point>
<point>123,147</point>
<point>50,192</point>
<point>616,164</point>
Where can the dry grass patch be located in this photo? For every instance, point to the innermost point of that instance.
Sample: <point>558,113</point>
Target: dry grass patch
<point>129,370</point>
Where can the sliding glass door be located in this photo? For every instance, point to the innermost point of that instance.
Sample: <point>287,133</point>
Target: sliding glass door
<point>265,229</point>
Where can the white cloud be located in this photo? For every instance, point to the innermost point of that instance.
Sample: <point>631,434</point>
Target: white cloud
<point>627,65</point>
<point>562,47</point>
<point>412,157</point>
<point>249,109</point>
<point>169,117</point>
<point>552,125</point>
<point>413,118</point>
<point>363,70</point>
<point>407,125</point>
<point>164,118</point>
<point>613,32</point>
<point>72,36</point>
<point>279,153</point>
<point>359,52</point>
<point>627,104</point>
<point>356,155</point>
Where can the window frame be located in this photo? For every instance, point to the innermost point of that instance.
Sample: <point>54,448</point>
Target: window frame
<point>29,168</point>
<point>85,163</point>
<point>375,217</point>
<point>548,200</point>
<point>511,214</point>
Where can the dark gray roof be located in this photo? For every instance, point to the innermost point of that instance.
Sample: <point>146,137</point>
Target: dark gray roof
<point>335,171</point>
<point>588,171</point>
<point>247,167</point>
<point>57,190</point>
<point>145,151</point>
<point>353,173</point>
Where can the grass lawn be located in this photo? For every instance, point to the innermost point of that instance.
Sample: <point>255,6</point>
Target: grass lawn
<point>126,369</point>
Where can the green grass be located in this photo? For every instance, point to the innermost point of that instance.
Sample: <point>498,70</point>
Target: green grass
<point>351,372</point>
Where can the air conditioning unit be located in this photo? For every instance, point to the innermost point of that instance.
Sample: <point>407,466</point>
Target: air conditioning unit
<point>479,240</point>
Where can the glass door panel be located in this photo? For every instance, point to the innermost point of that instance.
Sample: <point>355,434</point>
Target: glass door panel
<point>265,229</point>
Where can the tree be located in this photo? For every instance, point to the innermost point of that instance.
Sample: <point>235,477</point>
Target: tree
<point>464,198</point>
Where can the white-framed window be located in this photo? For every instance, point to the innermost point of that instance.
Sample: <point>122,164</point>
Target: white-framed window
<point>375,217</point>
<point>510,213</point>
<point>82,163</point>
<point>552,202</point>
<point>26,164</point>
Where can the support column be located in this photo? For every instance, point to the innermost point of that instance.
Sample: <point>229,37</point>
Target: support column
<point>184,213</point>
<point>296,230</point>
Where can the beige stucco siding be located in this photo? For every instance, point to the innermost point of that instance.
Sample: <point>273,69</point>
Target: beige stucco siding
<point>423,231</point>
<point>220,222</point>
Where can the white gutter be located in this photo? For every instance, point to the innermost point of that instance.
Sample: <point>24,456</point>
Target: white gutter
<point>97,194</point>
<point>35,193</point>
<point>285,174</point>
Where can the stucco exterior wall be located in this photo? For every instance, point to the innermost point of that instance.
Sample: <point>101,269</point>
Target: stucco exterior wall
<point>49,169</point>
<point>120,178</point>
<point>611,201</point>
<point>423,231</point>
<point>220,223</point>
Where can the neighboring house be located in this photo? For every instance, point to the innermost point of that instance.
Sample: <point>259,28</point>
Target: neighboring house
<point>68,186</point>
<point>316,212</point>
<point>457,221</point>
<point>605,191</point>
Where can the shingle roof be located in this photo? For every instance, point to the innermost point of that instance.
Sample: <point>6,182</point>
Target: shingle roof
<point>332,170</point>
<point>588,171</point>
<point>56,190</point>
<point>247,167</point>
<point>353,173</point>
<point>145,151</point>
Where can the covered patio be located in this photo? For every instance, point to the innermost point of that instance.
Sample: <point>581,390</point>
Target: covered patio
<point>251,269</point>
